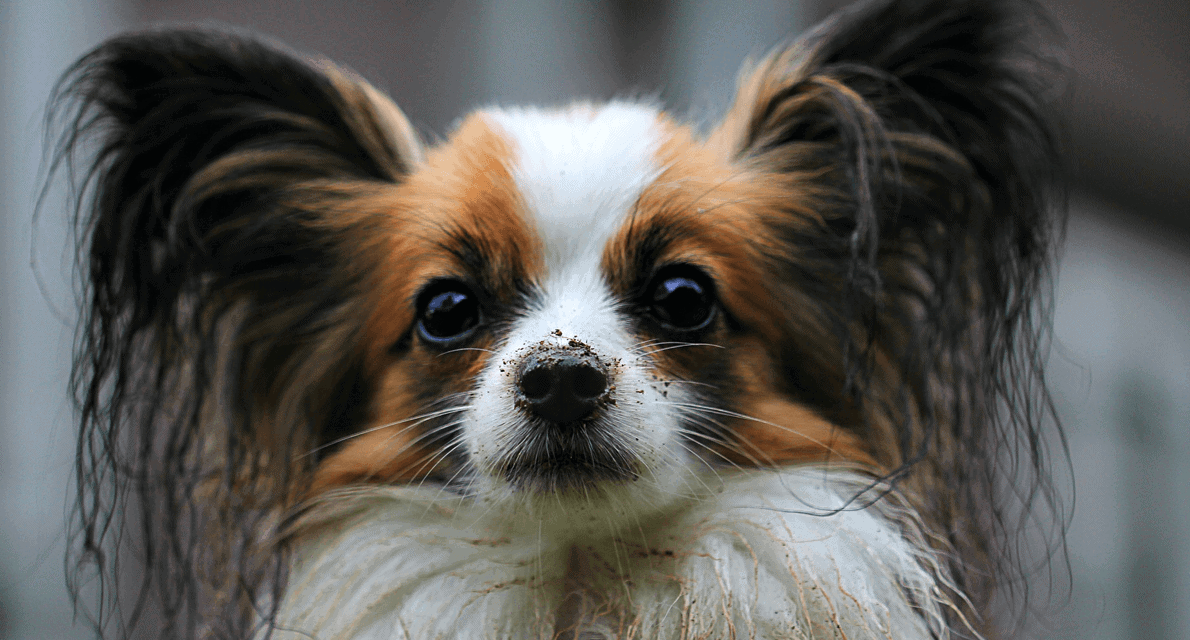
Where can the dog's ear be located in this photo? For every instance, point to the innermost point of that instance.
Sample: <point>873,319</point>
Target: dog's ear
<point>221,174</point>
<point>916,83</point>
<point>221,179</point>
<point>199,138</point>
<point>223,263</point>
<point>914,141</point>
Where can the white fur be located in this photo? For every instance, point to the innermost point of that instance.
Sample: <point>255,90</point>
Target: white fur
<point>762,556</point>
<point>579,172</point>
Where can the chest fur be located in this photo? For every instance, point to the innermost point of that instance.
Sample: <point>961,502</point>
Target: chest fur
<point>766,555</point>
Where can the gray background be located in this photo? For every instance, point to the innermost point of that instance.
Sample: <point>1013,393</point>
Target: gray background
<point>1121,362</point>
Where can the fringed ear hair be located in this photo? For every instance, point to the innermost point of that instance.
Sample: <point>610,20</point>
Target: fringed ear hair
<point>223,265</point>
<point>917,135</point>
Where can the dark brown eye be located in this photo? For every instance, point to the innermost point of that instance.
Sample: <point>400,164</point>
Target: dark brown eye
<point>681,298</point>
<point>448,313</point>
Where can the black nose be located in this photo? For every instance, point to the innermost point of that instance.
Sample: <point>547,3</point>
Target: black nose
<point>563,388</point>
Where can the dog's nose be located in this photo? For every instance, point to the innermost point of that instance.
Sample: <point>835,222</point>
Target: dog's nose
<point>563,388</point>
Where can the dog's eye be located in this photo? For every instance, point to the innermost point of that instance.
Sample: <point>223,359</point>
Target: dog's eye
<point>448,313</point>
<point>681,298</point>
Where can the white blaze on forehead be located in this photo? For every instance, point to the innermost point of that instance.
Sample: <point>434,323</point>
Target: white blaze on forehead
<point>579,171</point>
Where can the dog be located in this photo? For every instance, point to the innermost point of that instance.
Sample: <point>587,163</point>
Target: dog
<point>575,372</point>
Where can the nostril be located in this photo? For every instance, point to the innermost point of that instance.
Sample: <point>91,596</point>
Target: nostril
<point>562,388</point>
<point>537,382</point>
<point>587,381</point>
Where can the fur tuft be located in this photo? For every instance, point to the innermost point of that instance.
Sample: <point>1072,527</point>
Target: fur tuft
<point>221,287</point>
<point>919,133</point>
<point>782,556</point>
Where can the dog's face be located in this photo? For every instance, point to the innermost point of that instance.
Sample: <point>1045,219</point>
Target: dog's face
<point>577,301</point>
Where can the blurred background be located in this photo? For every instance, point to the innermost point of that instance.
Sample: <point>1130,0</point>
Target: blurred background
<point>1121,360</point>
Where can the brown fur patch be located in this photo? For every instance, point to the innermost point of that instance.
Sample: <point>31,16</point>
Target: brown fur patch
<point>782,431</point>
<point>458,216</point>
<point>705,211</point>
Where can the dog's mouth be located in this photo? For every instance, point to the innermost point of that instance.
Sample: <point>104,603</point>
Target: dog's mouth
<point>566,457</point>
<point>566,437</point>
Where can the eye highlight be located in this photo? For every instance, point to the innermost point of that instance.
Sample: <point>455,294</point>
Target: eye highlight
<point>448,313</point>
<point>681,298</point>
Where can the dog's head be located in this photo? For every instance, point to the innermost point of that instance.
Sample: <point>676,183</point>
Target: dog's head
<point>591,305</point>
<point>590,301</point>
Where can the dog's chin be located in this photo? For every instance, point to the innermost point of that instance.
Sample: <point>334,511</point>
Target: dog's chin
<point>567,482</point>
<point>564,459</point>
<point>567,474</point>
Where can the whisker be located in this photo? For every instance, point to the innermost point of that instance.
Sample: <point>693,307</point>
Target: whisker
<point>465,349</point>
<point>688,383</point>
<point>639,348</point>
<point>710,440</point>
<point>428,435</point>
<point>412,443</point>
<point>724,433</point>
<point>429,460</point>
<point>462,468</point>
<point>722,438</point>
<point>733,414</point>
<point>694,453</point>
<point>828,446</point>
<point>420,419</point>
<point>683,345</point>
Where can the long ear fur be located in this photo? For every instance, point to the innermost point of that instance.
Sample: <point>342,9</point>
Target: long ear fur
<point>918,132</point>
<point>222,273</point>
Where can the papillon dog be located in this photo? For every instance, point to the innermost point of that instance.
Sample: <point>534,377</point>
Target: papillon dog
<point>584,371</point>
